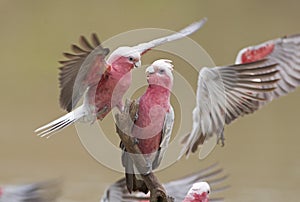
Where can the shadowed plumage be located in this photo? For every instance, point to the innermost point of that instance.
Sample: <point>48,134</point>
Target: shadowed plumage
<point>70,94</point>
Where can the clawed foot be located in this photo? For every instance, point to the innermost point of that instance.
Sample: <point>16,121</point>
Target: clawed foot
<point>136,116</point>
<point>100,113</point>
<point>135,141</point>
<point>222,139</point>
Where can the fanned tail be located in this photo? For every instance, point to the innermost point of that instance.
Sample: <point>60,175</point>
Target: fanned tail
<point>51,128</point>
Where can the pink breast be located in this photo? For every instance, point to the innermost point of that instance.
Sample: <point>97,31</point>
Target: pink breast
<point>110,92</point>
<point>151,115</point>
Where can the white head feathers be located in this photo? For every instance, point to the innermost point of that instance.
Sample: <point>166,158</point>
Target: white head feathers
<point>124,51</point>
<point>162,64</point>
<point>199,188</point>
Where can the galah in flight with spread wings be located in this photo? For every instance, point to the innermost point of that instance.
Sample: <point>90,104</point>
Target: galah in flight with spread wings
<point>102,83</point>
<point>261,73</point>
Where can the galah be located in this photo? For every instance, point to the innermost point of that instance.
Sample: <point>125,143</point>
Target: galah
<point>226,93</point>
<point>47,191</point>
<point>153,125</point>
<point>199,192</point>
<point>178,189</point>
<point>102,83</point>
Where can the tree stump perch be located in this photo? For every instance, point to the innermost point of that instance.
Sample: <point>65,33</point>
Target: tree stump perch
<point>124,124</point>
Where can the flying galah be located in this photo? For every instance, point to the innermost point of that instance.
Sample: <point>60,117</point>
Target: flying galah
<point>47,191</point>
<point>102,83</point>
<point>178,189</point>
<point>226,93</point>
<point>154,122</point>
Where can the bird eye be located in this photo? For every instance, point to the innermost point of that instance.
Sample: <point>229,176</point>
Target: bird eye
<point>130,59</point>
<point>208,191</point>
<point>161,71</point>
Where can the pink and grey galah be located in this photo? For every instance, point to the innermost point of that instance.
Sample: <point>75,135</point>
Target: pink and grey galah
<point>191,187</point>
<point>226,93</point>
<point>153,125</point>
<point>102,83</point>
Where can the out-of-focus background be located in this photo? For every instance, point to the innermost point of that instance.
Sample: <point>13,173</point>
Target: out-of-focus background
<point>261,152</point>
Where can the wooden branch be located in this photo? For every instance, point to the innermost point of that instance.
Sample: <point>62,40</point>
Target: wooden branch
<point>124,124</point>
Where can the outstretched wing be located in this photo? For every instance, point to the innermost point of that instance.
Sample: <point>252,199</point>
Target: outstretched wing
<point>285,52</point>
<point>177,188</point>
<point>144,47</point>
<point>165,138</point>
<point>213,175</point>
<point>224,94</point>
<point>84,67</point>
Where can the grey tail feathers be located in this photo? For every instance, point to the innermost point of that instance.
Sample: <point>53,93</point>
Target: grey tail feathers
<point>57,125</point>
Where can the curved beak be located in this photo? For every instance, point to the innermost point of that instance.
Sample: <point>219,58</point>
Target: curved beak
<point>138,64</point>
<point>149,70</point>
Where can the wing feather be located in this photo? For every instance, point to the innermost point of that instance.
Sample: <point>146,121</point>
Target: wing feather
<point>166,136</point>
<point>82,68</point>
<point>226,93</point>
<point>144,47</point>
<point>176,188</point>
<point>285,52</point>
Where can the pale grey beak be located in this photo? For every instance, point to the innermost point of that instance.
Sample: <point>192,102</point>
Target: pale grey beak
<point>150,70</point>
<point>138,64</point>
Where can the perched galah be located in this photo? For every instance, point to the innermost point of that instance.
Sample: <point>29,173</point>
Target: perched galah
<point>47,191</point>
<point>226,93</point>
<point>154,122</point>
<point>102,83</point>
<point>178,189</point>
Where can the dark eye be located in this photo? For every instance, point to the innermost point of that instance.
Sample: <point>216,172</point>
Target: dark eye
<point>208,191</point>
<point>130,59</point>
<point>161,71</point>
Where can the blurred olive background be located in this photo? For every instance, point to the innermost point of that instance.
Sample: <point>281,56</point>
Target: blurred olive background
<point>261,152</point>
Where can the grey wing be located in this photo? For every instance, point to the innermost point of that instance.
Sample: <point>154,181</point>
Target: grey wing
<point>144,47</point>
<point>118,192</point>
<point>82,68</point>
<point>115,191</point>
<point>47,191</point>
<point>213,175</point>
<point>224,94</point>
<point>179,188</point>
<point>286,53</point>
<point>166,136</point>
